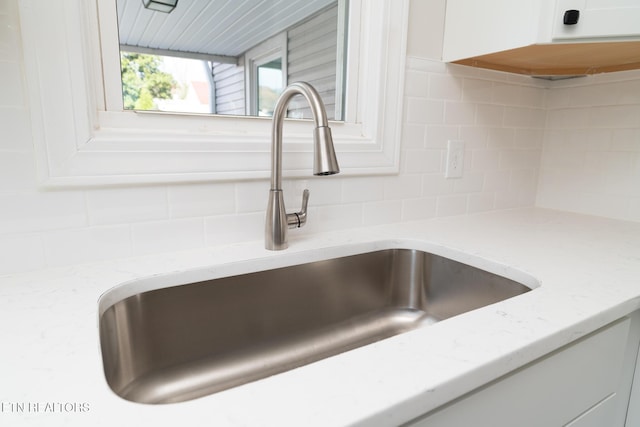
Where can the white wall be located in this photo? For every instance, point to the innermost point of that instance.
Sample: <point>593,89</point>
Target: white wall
<point>500,117</point>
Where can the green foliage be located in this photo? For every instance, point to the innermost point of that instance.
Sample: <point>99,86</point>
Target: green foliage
<point>143,81</point>
<point>145,101</point>
<point>267,98</point>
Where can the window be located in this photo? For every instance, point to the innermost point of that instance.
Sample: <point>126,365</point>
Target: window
<point>83,137</point>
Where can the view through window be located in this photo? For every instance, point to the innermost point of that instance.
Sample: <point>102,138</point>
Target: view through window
<point>173,62</point>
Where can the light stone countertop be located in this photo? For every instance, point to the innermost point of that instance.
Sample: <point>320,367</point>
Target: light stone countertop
<point>587,268</point>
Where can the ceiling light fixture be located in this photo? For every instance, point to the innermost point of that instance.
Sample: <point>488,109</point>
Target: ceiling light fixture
<point>165,6</point>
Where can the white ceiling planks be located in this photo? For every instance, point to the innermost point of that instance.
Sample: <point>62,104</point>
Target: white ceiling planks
<point>212,27</point>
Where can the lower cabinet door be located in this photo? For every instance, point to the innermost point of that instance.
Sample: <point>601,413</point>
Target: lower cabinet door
<point>599,416</point>
<point>578,385</point>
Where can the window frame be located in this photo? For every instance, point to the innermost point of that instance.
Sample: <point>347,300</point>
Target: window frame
<point>272,48</point>
<point>83,138</point>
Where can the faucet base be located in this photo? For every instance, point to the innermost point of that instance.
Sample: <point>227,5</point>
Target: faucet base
<point>275,233</point>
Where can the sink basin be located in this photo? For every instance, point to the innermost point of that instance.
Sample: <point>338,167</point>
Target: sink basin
<point>190,340</point>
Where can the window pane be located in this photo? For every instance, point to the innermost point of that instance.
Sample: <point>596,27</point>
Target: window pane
<point>164,83</point>
<point>269,86</point>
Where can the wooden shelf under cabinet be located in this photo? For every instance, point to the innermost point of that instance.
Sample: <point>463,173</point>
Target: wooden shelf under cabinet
<point>562,59</point>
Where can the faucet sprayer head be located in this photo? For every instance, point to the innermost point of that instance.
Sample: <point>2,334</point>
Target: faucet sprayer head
<point>324,158</point>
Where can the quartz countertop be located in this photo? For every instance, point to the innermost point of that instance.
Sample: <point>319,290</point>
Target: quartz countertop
<point>585,271</point>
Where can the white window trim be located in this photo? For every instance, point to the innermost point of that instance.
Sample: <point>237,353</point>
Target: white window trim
<point>83,138</point>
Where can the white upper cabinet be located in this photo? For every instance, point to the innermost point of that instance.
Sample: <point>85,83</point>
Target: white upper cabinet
<point>475,28</point>
<point>544,37</point>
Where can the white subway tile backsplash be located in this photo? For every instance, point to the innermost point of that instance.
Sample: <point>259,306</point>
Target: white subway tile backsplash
<point>436,184</point>
<point>501,137</point>
<point>201,200</point>
<point>529,138</point>
<point>413,136</point>
<point>438,136</point>
<point>474,137</point>
<point>603,205</point>
<point>416,83</point>
<point>475,90</point>
<point>17,171</point>
<point>227,229</point>
<point>167,236</point>
<point>629,92</point>
<point>76,246</point>
<point>363,189</point>
<point>594,95</point>
<point>592,138</point>
<point>484,160</point>
<point>252,196</point>
<point>451,205</point>
<point>445,86</point>
<point>506,94</point>
<point>424,111</point>
<point>616,116</point>
<point>519,159</point>
<point>558,98</point>
<point>333,218</point>
<point>490,115</point>
<point>569,118</point>
<point>125,205</point>
<point>471,182</point>
<point>560,157</point>
<point>31,212</point>
<point>605,161</point>
<point>21,252</point>
<point>403,187</point>
<point>496,180</point>
<point>425,161</point>
<point>522,117</point>
<point>384,212</point>
<point>524,181</point>
<point>326,190</point>
<point>533,97</point>
<point>459,113</point>
<point>511,199</point>
<point>481,202</point>
<point>416,209</point>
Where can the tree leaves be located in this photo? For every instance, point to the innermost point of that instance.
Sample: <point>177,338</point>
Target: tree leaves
<point>143,82</point>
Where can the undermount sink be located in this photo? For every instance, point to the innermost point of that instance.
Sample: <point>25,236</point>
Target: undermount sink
<point>190,340</point>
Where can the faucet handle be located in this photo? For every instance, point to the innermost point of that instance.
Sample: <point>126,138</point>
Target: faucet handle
<point>298,219</point>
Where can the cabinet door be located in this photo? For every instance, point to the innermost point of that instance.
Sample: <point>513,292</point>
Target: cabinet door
<point>475,27</point>
<point>597,19</point>
<point>600,415</point>
<point>582,384</point>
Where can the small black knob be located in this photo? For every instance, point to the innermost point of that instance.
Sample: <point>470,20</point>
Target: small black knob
<point>571,17</point>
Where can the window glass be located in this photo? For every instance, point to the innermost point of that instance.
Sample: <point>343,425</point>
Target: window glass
<point>269,86</point>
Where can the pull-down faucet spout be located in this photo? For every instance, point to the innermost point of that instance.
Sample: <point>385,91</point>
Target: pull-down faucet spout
<point>324,163</point>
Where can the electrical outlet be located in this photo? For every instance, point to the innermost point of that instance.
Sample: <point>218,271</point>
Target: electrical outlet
<point>455,159</point>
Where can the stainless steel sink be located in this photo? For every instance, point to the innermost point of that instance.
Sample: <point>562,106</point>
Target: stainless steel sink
<point>190,340</point>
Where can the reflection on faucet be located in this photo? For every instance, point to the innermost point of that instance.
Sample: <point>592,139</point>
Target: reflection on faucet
<point>324,163</point>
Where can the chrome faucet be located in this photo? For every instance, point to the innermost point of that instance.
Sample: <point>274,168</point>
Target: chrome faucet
<point>324,163</point>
